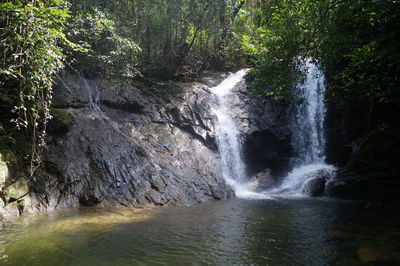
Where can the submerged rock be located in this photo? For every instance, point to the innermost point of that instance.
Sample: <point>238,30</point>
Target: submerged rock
<point>371,256</point>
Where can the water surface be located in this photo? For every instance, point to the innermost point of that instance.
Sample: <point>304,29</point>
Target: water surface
<point>236,232</point>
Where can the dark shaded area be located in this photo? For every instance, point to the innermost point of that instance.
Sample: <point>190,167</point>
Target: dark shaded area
<point>60,123</point>
<point>134,107</point>
<point>381,187</point>
<point>364,142</point>
<point>263,149</point>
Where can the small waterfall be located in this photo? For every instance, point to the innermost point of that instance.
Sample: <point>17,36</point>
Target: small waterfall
<point>307,119</point>
<point>228,138</point>
<point>93,93</point>
<point>308,136</point>
<point>91,90</point>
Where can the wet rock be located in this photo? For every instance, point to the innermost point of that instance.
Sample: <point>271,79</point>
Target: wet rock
<point>314,187</point>
<point>89,200</point>
<point>221,194</point>
<point>314,184</point>
<point>262,180</point>
<point>341,235</point>
<point>3,171</point>
<point>264,149</point>
<point>265,132</point>
<point>61,121</point>
<point>381,187</point>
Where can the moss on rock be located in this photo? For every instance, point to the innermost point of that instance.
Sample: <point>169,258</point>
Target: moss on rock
<point>61,122</point>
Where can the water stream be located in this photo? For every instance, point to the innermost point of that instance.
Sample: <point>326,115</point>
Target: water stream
<point>91,90</point>
<point>228,139</point>
<point>307,115</point>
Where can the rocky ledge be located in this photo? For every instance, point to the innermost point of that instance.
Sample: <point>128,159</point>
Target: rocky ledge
<point>125,143</point>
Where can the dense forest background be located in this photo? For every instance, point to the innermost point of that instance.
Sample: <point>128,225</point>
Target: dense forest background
<point>355,42</point>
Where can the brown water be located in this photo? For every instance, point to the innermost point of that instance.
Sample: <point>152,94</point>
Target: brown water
<point>236,232</point>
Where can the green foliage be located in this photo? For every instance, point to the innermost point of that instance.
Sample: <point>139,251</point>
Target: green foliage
<point>31,32</point>
<point>270,33</point>
<point>175,36</point>
<point>354,42</point>
<point>106,50</point>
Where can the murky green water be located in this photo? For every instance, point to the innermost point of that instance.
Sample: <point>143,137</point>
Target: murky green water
<point>236,232</point>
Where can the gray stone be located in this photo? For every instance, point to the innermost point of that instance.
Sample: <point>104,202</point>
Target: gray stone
<point>262,180</point>
<point>117,154</point>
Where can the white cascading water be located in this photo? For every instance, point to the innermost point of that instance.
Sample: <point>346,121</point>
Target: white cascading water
<point>92,91</point>
<point>308,136</point>
<point>228,138</point>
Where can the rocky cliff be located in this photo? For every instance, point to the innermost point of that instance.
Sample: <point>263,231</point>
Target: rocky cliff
<point>131,143</point>
<point>126,143</point>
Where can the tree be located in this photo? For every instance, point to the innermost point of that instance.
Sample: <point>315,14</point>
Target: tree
<point>31,34</point>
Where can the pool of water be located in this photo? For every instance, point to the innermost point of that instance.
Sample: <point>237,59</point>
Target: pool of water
<point>236,232</point>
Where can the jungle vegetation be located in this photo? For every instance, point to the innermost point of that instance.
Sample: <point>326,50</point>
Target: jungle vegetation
<point>355,42</point>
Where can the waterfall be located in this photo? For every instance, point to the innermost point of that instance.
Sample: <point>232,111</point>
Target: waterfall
<point>228,138</point>
<point>307,118</point>
<point>307,114</point>
<point>91,90</point>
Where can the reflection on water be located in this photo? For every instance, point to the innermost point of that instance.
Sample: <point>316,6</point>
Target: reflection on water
<point>236,232</point>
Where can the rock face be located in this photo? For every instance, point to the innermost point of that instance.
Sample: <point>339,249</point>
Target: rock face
<point>134,143</point>
<point>367,159</point>
<point>14,190</point>
<point>130,144</point>
<point>314,187</point>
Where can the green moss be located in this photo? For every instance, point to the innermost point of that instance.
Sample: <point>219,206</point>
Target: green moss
<point>61,122</point>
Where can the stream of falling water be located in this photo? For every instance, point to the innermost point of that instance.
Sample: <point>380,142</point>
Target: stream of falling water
<point>92,91</point>
<point>307,114</point>
<point>307,117</point>
<point>228,139</point>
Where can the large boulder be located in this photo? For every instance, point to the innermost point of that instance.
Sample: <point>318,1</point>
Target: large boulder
<point>315,182</point>
<point>377,186</point>
<point>262,180</point>
<point>314,187</point>
<point>265,134</point>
